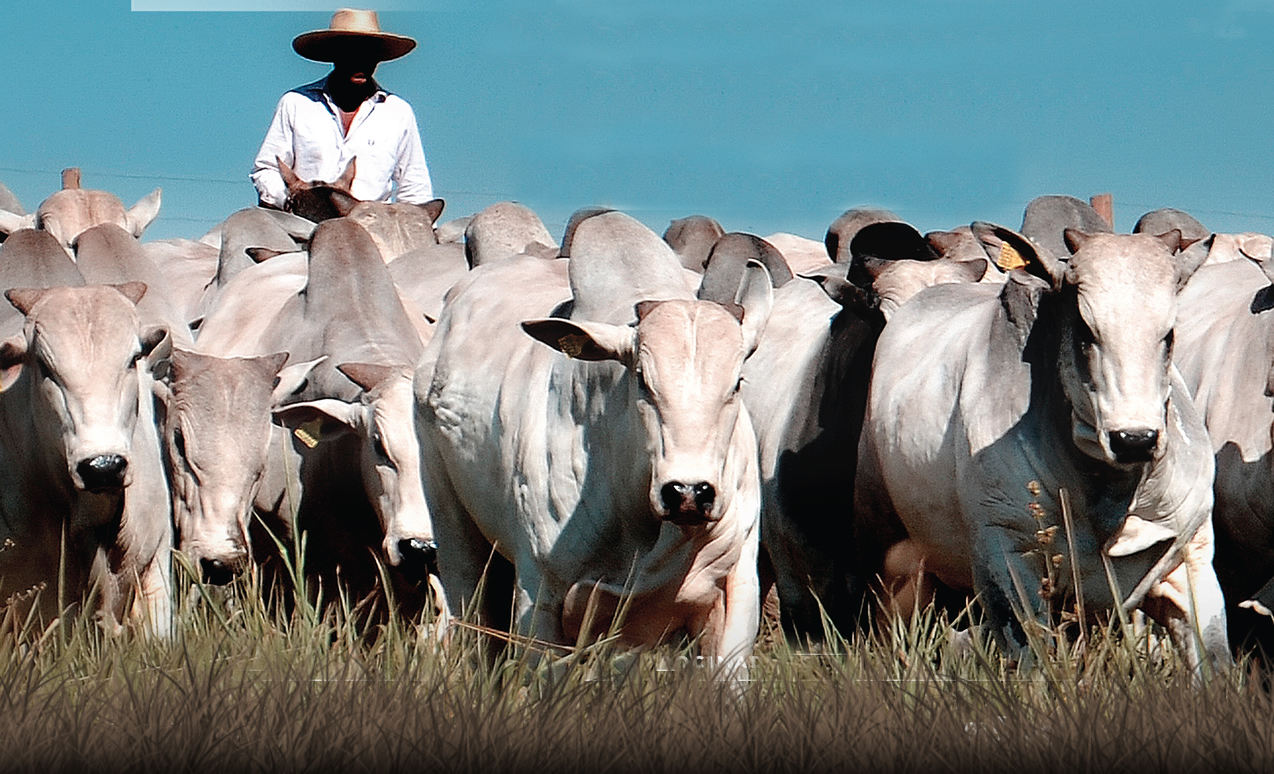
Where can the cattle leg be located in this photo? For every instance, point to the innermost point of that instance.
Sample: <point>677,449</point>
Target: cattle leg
<point>152,604</point>
<point>475,579</point>
<point>730,642</point>
<point>1008,588</point>
<point>1188,603</point>
<point>538,613</point>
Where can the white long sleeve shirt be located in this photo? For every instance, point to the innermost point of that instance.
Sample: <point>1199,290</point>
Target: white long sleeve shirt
<point>306,133</point>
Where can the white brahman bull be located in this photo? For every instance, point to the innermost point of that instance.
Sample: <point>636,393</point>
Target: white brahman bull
<point>607,455</point>
<point>986,401</point>
<point>82,490</point>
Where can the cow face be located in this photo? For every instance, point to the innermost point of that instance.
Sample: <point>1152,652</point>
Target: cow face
<point>216,434</point>
<point>383,418</point>
<point>684,360</point>
<point>685,376</point>
<point>1114,307</point>
<point>1115,303</point>
<point>80,351</point>
<point>1118,311</point>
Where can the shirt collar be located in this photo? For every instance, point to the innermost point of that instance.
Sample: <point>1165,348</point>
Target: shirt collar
<point>379,95</point>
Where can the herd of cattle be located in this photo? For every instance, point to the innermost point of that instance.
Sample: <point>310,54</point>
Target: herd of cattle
<point>541,435</point>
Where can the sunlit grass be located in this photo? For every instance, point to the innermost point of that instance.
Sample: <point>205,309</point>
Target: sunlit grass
<point>244,686</point>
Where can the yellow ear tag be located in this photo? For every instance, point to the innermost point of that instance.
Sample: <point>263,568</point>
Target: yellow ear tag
<point>572,345</point>
<point>1010,258</point>
<point>309,432</point>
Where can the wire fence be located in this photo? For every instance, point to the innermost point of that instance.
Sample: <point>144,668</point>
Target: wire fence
<point>494,196</point>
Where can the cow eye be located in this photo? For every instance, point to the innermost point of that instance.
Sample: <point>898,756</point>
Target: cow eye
<point>1084,334</point>
<point>641,380</point>
<point>1168,340</point>
<point>179,442</point>
<point>378,445</point>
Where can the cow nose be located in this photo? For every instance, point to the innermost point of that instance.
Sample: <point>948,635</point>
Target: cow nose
<point>103,472</point>
<point>1133,445</point>
<point>217,572</point>
<point>419,554</point>
<point>688,500</point>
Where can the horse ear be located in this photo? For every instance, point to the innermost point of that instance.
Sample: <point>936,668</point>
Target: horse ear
<point>289,177</point>
<point>346,180</point>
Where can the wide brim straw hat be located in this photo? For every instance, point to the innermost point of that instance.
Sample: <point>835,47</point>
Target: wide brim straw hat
<point>352,29</point>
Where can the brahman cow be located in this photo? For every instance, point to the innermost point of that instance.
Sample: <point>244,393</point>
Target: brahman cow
<point>806,389</point>
<point>988,401</point>
<point>353,457</point>
<point>70,212</point>
<point>504,229</point>
<point>607,455</point>
<point>1225,350</point>
<point>82,490</point>
<point>216,430</point>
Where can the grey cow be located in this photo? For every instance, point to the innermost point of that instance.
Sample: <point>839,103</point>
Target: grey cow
<point>353,456</point>
<point>82,489</point>
<point>1225,349</point>
<point>1063,377</point>
<point>806,389</point>
<point>622,464</point>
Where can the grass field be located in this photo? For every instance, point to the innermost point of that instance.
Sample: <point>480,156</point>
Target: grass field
<point>242,688</point>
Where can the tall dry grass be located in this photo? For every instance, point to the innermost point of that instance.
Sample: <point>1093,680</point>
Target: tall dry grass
<point>243,686</point>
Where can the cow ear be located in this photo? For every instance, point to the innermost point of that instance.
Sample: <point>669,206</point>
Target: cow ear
<point>1256,246</point>
<point>864,271</point>
<point>970,271</point>
<point>1009,250</point>
<point>1075,239</point>
<point>861,301</point>
<point>157,345</point>
<point>1137,534</point>
<point>13,355</point>
<point>11,222</point>
<point>319,420</point>
<point>756,296</point>
<point>133,291</point>
<point>1188,260</point>
<point>433,208</point>
<point>1020,298</point>
<point>368,376</point>
<point>23,299</point>
<point>290,178</point>
<point>292,378</point>
<point>583,341</point>
<point>1172,240</point>
<point>1263,301</point>
<point>144,212</point>
<point>262,254</point>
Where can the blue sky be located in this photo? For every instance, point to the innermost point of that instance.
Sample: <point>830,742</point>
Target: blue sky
<point>768,116</point>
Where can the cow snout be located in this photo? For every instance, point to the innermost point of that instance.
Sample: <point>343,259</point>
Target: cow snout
<point>103,473</point>
<point>688,503</point>
<point>1133,445</point>
<point>219,572</point>
<point>419,558</point>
